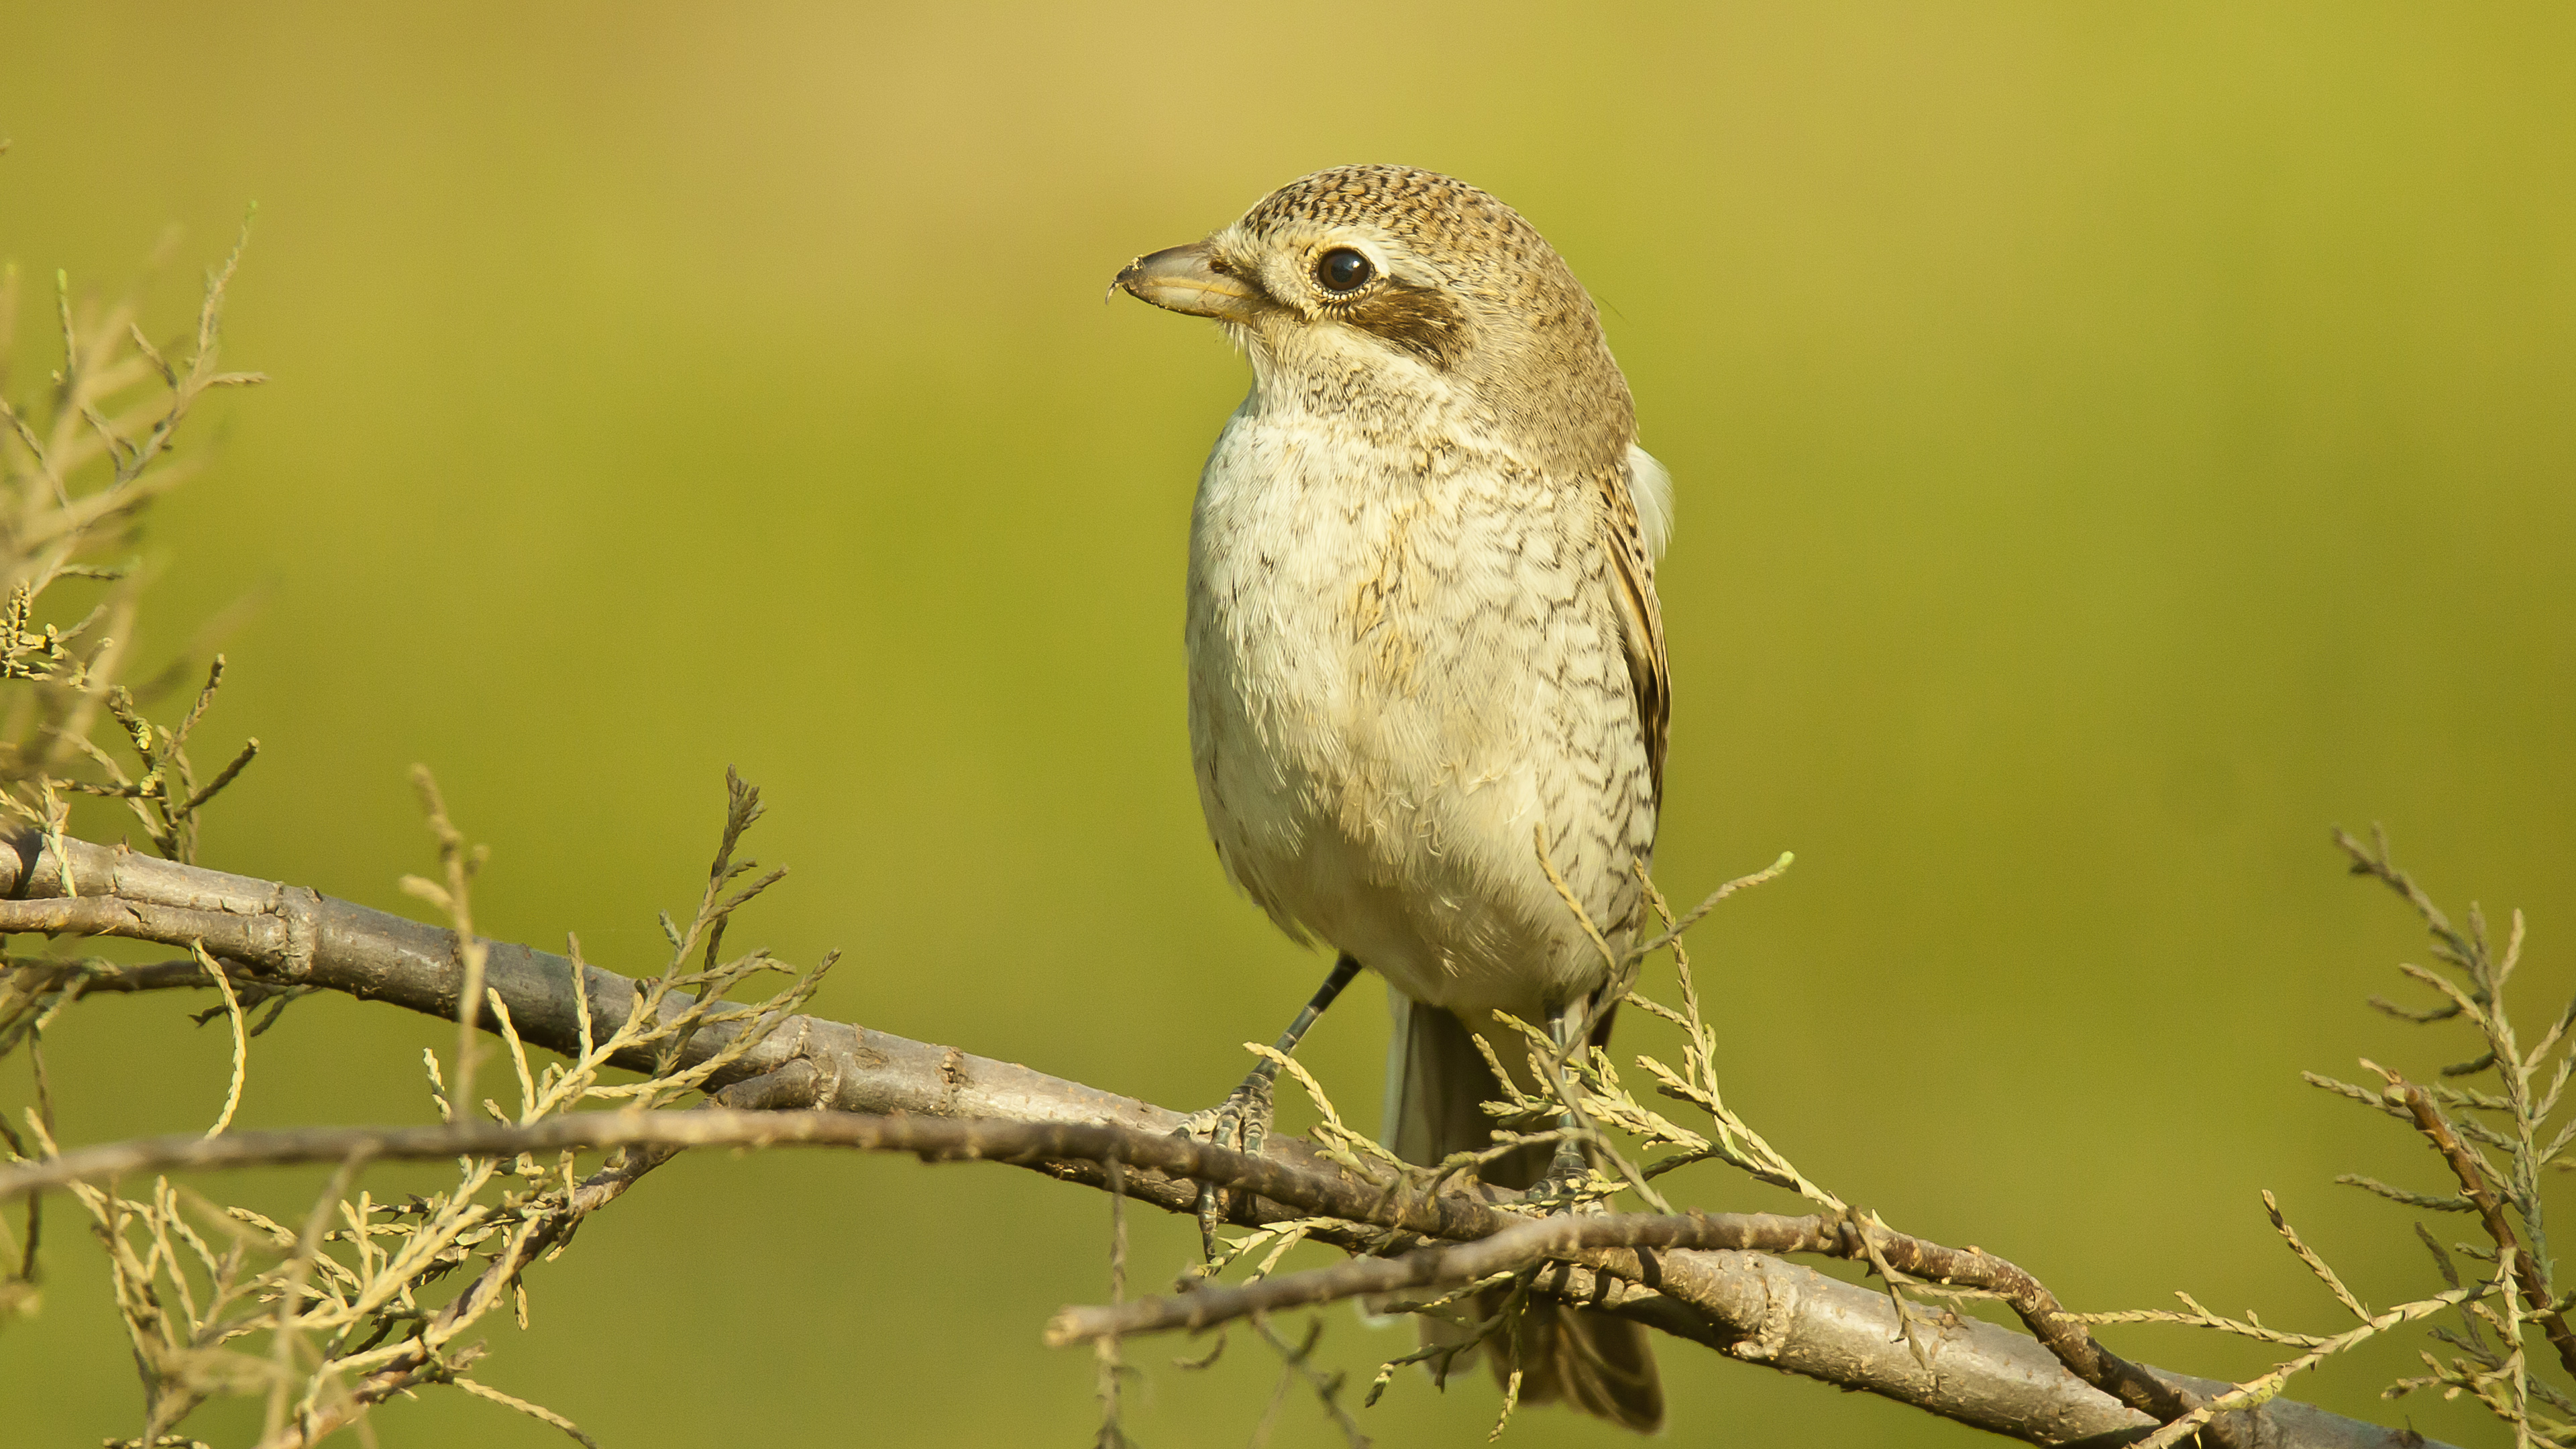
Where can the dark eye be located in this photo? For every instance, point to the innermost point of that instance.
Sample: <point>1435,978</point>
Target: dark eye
<point>1343,270</point>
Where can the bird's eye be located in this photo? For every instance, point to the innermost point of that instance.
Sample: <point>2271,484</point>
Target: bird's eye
<point>1343,270</point>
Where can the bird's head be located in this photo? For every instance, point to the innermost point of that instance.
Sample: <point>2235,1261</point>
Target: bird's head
<point>1386,292</point>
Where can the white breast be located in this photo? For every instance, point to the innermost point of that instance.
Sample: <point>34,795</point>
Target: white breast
<point>1402,662</point>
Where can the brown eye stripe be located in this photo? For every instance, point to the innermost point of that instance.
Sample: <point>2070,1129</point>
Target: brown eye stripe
<point>1420,320</point>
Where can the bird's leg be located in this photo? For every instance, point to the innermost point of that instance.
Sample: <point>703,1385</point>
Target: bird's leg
<point>1242,1120</point>
<point>1570,1162</point>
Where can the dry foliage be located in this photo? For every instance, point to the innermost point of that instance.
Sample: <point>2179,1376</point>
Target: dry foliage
<point>344,1308</point>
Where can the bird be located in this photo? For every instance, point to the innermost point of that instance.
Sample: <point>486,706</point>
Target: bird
<point>1424,643</point>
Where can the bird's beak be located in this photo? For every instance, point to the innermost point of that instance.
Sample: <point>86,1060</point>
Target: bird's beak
<point>1188,279</point>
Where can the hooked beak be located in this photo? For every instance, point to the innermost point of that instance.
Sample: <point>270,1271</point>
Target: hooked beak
<point>1189,279</point>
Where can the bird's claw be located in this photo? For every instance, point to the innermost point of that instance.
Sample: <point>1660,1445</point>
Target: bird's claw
<point>1564,1179</point>
<point>1240,1123</point>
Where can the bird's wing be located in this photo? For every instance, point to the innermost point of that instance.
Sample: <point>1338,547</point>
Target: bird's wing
<point>1651,489</point>
<point>1638,510</point>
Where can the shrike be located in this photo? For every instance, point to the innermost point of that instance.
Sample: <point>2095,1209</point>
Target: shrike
<point>1422,628</point>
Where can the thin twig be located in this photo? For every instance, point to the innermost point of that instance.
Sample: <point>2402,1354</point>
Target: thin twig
<point>241,1042</point>
<point>2527,1274</point>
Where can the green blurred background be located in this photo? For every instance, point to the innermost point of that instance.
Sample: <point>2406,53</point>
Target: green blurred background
<point>2112,444</point>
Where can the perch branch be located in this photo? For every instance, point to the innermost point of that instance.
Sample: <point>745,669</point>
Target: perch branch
<point>1579,1239</point>
<point>888,1093</point>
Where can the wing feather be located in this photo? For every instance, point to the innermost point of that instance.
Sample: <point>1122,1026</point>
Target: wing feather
<point>1633,541</point>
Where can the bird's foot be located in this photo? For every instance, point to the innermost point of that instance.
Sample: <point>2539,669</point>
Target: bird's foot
<point>1240,1123</point>
<point>1568,1172</point>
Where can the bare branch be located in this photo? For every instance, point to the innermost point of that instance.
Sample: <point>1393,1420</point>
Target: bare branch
<point>960,1107</point>
<point>1574,1239</point>
<point>2491,1213</point>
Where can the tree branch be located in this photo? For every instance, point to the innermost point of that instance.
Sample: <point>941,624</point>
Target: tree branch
<point>888,1093</point>
<point>2428,1119</point>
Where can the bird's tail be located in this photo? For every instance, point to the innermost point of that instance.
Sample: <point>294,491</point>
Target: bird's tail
<point>1435,1083</point>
